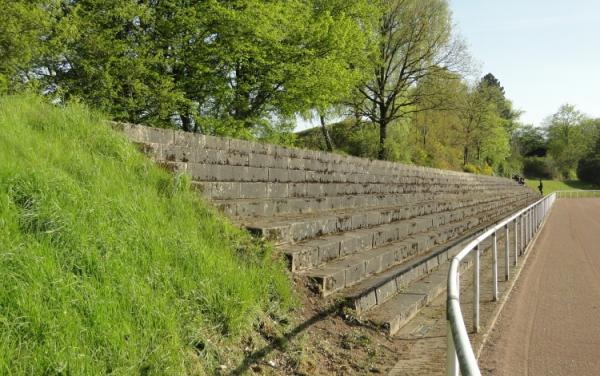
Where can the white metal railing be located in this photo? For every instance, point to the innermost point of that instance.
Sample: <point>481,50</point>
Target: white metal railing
<point>524,224</point>
<point>578,194</point>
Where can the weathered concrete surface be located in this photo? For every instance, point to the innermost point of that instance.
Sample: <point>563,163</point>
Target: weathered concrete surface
<point>424,338</point>
<point>551,323</point>
<point>357,230</point>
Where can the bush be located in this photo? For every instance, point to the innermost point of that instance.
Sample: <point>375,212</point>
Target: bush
<point>486,169</point>
<point>537,168</point>
<point>588,169</point>
<point>479,170</point>
<point>470,168</point>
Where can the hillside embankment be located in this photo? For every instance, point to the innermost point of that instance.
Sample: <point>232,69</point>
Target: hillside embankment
<point>110,265</point>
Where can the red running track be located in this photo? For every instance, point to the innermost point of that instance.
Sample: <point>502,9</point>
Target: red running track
<point>551,322</point>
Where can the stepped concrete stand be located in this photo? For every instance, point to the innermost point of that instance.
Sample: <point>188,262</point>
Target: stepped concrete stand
<point>372,232</point>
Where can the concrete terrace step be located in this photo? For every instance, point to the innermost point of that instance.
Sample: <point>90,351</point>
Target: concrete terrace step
<point>177,146</point>
<point>317,252</point>
<point>268,207</point>
<point>203,171</point>
<point>379,288</point>
<point>294,229</point>
<point>337,275</point>
<point>230,190</point>
<point>342,273</point>
<point>402,307</point>
<point>375,233</point>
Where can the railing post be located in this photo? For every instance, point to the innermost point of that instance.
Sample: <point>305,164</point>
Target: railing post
<point>476,289</point>
<point>495,267</point>
<point>506,255</point>
<point>451,358</point>
<point>522,231</point>
<point>531,226</point>
<point>527,229</point>
<point>516,229</point>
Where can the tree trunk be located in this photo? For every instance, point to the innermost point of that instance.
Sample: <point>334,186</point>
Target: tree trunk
<point>466,155</point>
<point>198,128</point>
<point>326,135</point>
<point>186,123</point>
<point>382,138</point>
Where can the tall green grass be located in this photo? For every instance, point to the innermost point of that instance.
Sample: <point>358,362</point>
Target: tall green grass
<point>109,265</point>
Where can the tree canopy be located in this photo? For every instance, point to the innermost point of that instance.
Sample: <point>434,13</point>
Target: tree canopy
<point>393,72</point>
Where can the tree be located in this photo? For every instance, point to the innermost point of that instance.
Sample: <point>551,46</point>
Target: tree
<point>415,43</point>
<point>435,140</point>
<point>281,58</point>
<point>567,142</point>
<point>23,25</point>
<point>494,92</point>
<point>485,137</point>
<point>118,57</point>
<point>588,168</point>
<point>233,67</point>
<point>355,20</point>
<point>531,141</point>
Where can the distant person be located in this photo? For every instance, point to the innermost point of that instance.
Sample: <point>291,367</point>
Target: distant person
<point>541,187</point>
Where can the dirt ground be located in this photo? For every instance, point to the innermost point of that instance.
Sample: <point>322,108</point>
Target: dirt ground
<point>551,323</point>
<point>328,340</point>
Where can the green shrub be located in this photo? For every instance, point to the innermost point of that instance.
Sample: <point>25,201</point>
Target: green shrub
<point>537,168</point>
<point>470,168</point>
<point>588,170</point>
<point>486,170</point>
<point>111,266</point>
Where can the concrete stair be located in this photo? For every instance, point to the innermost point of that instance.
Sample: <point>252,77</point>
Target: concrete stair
<point>395,312</point>
<point>376,234</point>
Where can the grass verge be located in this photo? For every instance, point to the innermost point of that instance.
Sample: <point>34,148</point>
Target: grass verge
<point>559,185</point>
<point>110,265</point>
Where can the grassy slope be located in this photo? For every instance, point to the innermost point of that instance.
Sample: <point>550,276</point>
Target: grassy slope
<point>556,185</point>
<point>108,264</point>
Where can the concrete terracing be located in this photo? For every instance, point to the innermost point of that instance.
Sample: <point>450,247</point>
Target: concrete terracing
<point>362,230</point>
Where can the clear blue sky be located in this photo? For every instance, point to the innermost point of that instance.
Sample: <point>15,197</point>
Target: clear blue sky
<point>545,53</point>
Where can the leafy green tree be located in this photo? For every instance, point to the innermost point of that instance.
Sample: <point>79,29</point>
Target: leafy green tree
<point>485,137</point>
<point>495,93</point>
<point>435,142</point>
<point>567,141</point>
<point>23,26</point>
<point>531,141</point>
<point>115,56</point>
<point>281,58</point>
<point>415,42</point>
<point>355,20</point>
<point>234,67</point>
<point>588,168</point>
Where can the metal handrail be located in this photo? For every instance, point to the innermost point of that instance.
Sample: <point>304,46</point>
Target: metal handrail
<point>577,193</point>
<point>526,222</point>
